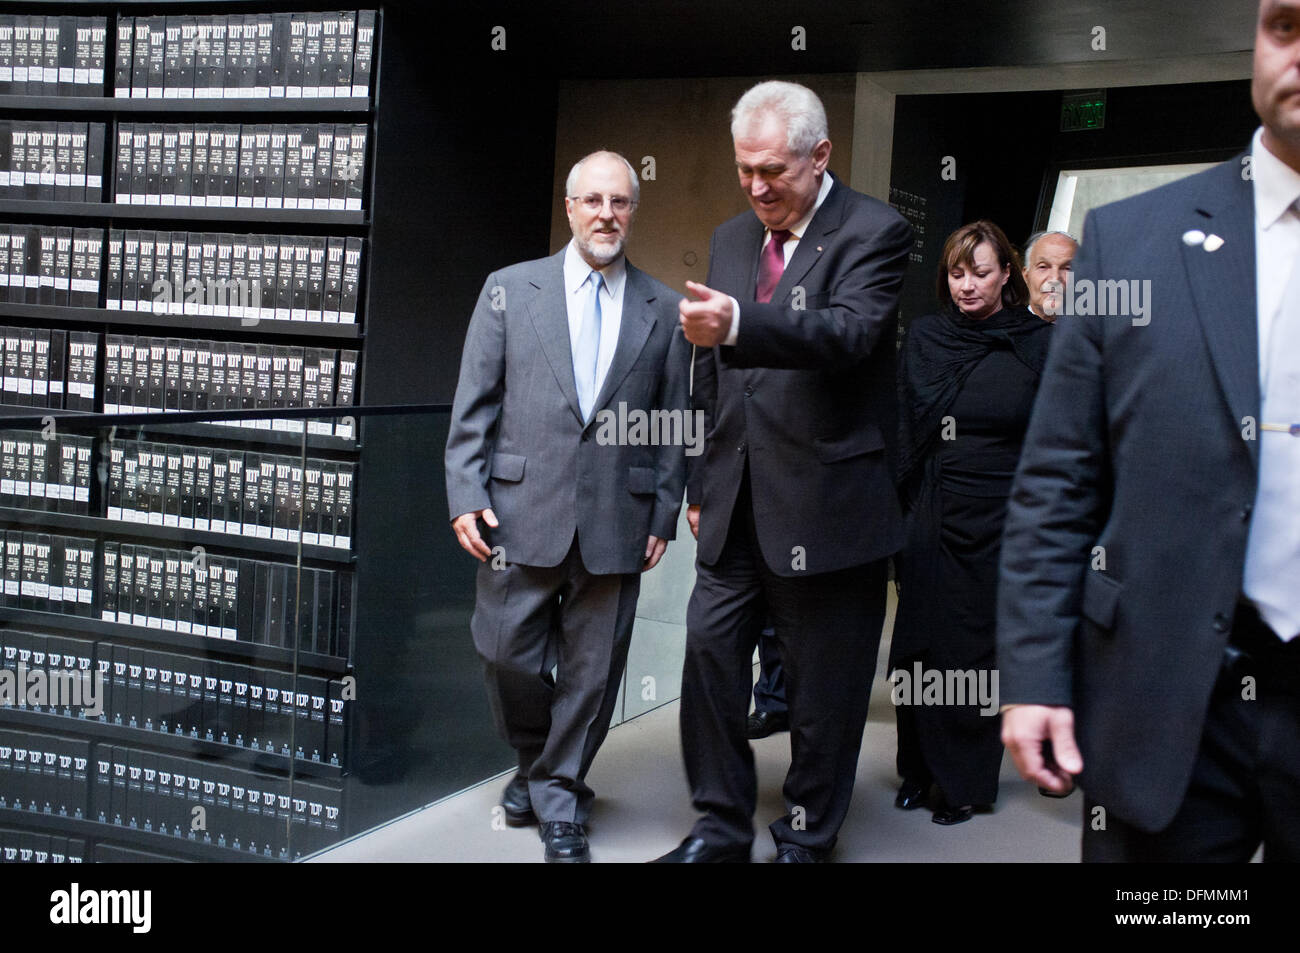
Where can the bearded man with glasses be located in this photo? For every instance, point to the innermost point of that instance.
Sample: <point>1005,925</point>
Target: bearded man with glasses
<point>563,519</point>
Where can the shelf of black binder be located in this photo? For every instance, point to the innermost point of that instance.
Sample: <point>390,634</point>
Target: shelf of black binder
<point>185,642</point>
<point>274,438</point>
<point>234,756</point>
<point>166,428</point>
<point>179,213</point>
<point>49,519</point>
<point>138,837</point>
<point>113,104</point>
<point>178,322</point>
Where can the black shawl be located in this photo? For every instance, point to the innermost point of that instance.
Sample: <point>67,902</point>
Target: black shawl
<point>938,355</point>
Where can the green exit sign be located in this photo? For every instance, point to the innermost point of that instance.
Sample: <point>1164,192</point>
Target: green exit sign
<point>1080,111</point>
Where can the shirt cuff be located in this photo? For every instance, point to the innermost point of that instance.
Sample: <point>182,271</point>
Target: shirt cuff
<point>734,333</point>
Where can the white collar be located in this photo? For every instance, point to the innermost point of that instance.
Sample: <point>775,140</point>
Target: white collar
<point>802,225</point>
<point>576,271</point>
<point>1277,185</point>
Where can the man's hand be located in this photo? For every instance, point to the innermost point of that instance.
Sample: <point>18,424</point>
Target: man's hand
<point>1025,728</point>
<point>707,321</point>
<point>693,519</point>
<point>465,527</point>
<point>654,550</point>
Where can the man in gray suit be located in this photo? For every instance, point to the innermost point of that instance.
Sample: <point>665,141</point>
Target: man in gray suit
<point>562,353</point>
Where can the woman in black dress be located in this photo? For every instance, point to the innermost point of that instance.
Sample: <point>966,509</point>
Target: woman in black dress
<point>967,379</point>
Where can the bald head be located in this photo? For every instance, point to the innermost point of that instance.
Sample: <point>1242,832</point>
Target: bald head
<point>633,183</point>
<point>1049,257</point>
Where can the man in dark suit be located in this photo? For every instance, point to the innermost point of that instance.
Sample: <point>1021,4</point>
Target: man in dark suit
<point>561,352</point>
<point>1148,615</point>
<point>792,503</point>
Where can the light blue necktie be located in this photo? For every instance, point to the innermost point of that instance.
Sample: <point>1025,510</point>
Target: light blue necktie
<point>586,351</point>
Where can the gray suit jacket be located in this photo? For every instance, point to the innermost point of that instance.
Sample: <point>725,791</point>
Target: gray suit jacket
<point>519,445</point>
<point>1125,539</point>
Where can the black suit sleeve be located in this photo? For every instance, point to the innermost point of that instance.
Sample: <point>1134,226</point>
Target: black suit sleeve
<point>704,393</point>
<point>704,396</point>
<point>839,325</point>
<point>670,467</point>
<point>1059,503</point>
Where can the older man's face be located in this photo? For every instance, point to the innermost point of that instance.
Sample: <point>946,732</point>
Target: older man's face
<point>601,213</point>
<point>780,185</point>
<point>1275,86</point>
<point>1046,268</point>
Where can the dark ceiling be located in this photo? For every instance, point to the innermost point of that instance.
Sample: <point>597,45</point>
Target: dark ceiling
<point>579,38</point>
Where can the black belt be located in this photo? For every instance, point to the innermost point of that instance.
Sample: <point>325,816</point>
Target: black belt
<point>1255,649</point>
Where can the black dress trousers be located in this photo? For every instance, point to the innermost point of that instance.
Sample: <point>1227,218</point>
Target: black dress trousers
<point>1245,785</point>
<point>828,631</point>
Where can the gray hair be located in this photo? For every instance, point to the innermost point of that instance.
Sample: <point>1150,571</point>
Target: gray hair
<point>1037,237</point>
<point>571,183</point>
<point>804,115</point>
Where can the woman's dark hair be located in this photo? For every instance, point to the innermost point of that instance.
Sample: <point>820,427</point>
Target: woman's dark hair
<point>960,249</point>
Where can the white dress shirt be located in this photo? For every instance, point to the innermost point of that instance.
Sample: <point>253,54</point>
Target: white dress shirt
<point>1273,546</point>
<point>576,292</point>
<point>787,249</point>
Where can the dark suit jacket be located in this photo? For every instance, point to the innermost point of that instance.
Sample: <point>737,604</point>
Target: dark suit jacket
<point>1136,446</point>
<point>518,443</point>
<point>807,392</point>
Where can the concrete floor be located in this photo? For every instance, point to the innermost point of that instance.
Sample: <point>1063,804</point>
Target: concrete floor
<point>643,809</point>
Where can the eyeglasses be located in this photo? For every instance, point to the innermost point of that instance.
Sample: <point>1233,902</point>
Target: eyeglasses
<point>594,202</point>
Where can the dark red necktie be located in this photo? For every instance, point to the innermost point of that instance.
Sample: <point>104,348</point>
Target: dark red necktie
<point>770,266</point>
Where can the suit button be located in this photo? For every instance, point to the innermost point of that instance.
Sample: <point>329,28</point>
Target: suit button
<point>749,391</point>
<point>586,436</point>
<point>1221,622</point>
<point>1246,511</point>
<point>741,448</point>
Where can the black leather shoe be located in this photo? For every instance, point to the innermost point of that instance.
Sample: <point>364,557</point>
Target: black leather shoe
<point>518,805</point>
<point>795,854</point>
<point>948,815</point>
<point>695,850</point>
<point>911,795</point>
<point>763,723</point>
<point>566,843</point>
<point>1046,793</point>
